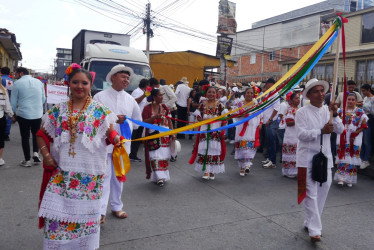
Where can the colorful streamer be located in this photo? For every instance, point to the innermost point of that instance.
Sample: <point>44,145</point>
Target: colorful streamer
<point>316,52</point>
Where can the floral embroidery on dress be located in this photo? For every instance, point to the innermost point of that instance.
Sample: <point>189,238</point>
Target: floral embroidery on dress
<point>244,144</point>
<point>289,149</point>
<point>159,165</point>
<point>59,230</point>
<point>211,112</point>
<point>88,123</point>
<point>346,169</point>
<point>210,159</point>
<point>352,117</point>
<point>77,186</point>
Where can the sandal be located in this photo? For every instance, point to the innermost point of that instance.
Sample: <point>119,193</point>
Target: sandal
<point>120,214</point>
<point>315,238</point>
<point>102,219</point>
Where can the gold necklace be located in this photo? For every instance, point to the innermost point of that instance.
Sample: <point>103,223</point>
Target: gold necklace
<point>72,123</point>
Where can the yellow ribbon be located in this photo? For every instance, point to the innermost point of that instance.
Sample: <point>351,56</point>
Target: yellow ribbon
<point>300,63</point>
<point>121,161</point>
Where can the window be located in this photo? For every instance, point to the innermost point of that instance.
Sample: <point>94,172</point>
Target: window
<point>367,35</point>
<point>323,72</point>
<point>253,59</point>
<point>365,71</point>
<point>353,6</point>
<point>272,56</point>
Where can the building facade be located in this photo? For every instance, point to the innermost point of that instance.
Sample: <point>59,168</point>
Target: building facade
<point>10,53</point>
<point>267,49</point>
<point>63,60</point>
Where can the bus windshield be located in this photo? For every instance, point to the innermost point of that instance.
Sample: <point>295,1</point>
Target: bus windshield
<point>102,68</point>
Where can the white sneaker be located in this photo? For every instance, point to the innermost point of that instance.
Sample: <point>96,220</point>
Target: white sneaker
<point>36,157</point>
<point>364,164</point>
<point>349,185</point>
<point>2,162</point>
<point>266,161</point>
<point>232,142</point>
<point>269,165</point>
<point>26,164</point>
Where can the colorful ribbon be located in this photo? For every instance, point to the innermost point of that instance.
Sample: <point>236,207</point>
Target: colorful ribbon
<point>125,130</point>
<point>121,161</point>
<point>315,52</point>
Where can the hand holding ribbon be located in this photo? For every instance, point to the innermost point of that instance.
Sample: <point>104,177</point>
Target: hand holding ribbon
<point>121,161</point>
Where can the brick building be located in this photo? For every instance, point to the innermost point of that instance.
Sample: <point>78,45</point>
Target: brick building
<point>273,45</point>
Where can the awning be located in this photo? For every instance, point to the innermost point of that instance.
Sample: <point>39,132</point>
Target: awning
<point>10,47</point>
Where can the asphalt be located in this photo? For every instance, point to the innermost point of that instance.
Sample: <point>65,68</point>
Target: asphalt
<point>258,211</point>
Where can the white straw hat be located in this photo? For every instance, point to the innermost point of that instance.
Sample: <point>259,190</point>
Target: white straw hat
<point>116,69</point>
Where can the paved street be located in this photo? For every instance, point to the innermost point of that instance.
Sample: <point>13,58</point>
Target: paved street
<point>258,211</point>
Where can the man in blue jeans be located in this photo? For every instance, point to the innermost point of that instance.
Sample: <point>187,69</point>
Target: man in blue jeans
<point>27,101</point>
<point>271,122</point>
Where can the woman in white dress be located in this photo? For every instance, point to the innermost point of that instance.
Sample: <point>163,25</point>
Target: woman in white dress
<point>289,146</point>
<point>348,159</point>
<point>247,134</point>
<point>157,151</point>
<point>210,148</point>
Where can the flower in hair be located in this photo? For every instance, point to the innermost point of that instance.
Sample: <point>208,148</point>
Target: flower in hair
<point>148,91</point>
<point>70,69</point>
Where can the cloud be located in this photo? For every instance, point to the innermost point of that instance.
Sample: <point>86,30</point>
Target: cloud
<point>5,22</point>
<point>63,41</point>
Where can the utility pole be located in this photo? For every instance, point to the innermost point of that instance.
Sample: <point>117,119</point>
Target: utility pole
<point>148,30</point>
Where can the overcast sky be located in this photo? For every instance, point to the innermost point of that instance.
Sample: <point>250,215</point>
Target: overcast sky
<point>43,25</point>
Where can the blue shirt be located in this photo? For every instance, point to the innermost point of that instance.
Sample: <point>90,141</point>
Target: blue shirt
<point>28,97</point>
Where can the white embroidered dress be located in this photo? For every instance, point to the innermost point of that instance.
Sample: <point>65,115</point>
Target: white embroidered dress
<point>245,149</point>
<point>289,146</point>
<point>209,151</point>
<point>71,202</point>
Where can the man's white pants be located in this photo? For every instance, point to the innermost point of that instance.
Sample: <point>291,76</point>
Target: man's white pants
<point>113,187</point>
<point>314,202</point>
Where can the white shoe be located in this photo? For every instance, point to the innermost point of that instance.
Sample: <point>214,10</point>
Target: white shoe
<point>265,161</point>
<point>26,164</point>
<point>340,183</point>
<point>232,142</point>
<point>2,162</point>
<point>36,157</point>
<point>364,164</point>
<point>349,185</point>
<point>269,165</point>
<point>205,177</point>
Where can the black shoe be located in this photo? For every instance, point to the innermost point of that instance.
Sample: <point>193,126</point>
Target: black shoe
<point>173,159</point>
<point>160,183</point>
<point>136,159</point>
<point>6,138</point>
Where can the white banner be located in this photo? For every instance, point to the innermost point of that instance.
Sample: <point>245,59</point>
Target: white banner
<point>56,94</point>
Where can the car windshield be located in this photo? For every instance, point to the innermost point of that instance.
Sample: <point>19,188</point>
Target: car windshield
<point>102,68</point>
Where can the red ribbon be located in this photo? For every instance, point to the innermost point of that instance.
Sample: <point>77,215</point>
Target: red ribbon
<point>343,138</point>
<point>194,153</point>
<point>257,137</point>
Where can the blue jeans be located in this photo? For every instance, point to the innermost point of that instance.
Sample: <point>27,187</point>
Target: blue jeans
<point>366,142</point>
<point>280,135</point>
<point>271,139</point>
<point>8,125</point>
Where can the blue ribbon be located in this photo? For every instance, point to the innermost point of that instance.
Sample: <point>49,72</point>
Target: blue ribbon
<point>125,129</point>
<point>163,129</point>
